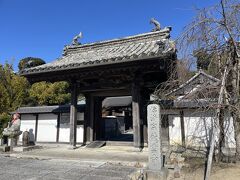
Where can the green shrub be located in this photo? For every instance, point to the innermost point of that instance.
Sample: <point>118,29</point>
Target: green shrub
<point>4,119</point>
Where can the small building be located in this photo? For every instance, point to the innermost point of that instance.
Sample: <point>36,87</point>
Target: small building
<point>50,123</point>
<point>189,113</point>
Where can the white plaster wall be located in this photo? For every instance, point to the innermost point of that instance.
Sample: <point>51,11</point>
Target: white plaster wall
<point>28,122</point>
<point>229,131</point>
<point>80,129</point>
<point>198,127</point>
<point>174,130</point>
<point>47,128</point>
<point>197,130</point>
<point>80,116</point>
<point>79,133</point>
<point>64,131</point>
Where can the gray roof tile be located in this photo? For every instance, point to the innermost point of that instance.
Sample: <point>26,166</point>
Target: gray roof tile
<point>143,46</point>
<point>48,109</point>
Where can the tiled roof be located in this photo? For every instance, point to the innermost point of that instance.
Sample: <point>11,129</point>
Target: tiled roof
<point>117,101</point>
<point>132,48</point>
<point>185,96</point>
<point>48,109</point>
<point>199,80</point>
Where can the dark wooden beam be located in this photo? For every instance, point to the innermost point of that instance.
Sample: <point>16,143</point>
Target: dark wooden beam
<point>91,120</point>
<point>101,88</point>
<point>58,127</point>
<point>36,127</point>
<point>73,114</point>
<point>136,115</point>
<point>112,92</point>
<point>182,128</point>
<point>98,123</point>
<point>145,99</point>
<point>149,65</point>
<point>88,119</point>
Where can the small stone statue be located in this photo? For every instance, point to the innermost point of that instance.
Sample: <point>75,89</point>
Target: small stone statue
<point>156,24</point>
<point>13,129</point>
<point>25,138</point>
<point>76,38</point>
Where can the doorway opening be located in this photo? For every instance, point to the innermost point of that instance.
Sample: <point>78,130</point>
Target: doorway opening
<point>117,119</point>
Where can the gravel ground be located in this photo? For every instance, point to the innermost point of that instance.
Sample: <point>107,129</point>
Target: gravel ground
<point>34,169</point>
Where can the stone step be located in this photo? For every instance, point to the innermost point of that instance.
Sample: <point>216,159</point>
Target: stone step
<point>119,143</point>
<point>96,144</point>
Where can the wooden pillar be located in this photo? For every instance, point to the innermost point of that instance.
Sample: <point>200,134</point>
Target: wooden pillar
<point>73,114</point>
<point>144,100</point>
<point>98,118</point>
<point>58,127</point>
<point>182,128</point>
<point>36,127</point>
<point>136,116</point>
<point>88,119</point>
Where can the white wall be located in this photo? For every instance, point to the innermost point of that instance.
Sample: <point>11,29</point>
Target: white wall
<point>174,130</point>
<point>64,131</point>
<point>47,128</point>
<point>229,131</point>
<point>198,127</point>
<point>80,128</point>
<point>28,122</point>
<point>79,133</point>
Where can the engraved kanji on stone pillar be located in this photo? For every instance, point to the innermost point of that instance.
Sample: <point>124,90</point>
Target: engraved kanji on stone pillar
<point>154,137</point>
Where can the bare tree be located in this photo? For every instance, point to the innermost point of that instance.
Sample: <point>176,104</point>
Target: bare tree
<point>216,30</point>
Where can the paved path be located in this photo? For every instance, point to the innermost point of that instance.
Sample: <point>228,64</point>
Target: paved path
<point>114,154</point>
<point>32,169</point>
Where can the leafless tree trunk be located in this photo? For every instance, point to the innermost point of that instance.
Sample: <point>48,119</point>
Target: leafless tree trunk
<point>216,123</point>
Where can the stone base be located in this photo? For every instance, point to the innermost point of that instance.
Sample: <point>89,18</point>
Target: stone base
<point>71,147</point>
<point>28,148</point>
<point>136,175</point>
<point>5,148</point>
<point>13,141</point>
<point>12,133</point>
<point>156,175</point>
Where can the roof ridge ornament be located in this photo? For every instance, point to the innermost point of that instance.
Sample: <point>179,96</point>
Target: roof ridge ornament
<point>76,38</point>
<point>156,24</point>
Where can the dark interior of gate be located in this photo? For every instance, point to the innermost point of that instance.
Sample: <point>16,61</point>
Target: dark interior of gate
<point>116,122</point>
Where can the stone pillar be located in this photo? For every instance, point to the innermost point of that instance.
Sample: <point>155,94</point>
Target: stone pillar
<point>155,159</point>
<point>73,114</point>
<point>136,116</point>
<point>154,137</point>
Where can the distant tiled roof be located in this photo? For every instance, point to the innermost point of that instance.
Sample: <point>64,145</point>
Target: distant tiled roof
<point>186,103</point>
<point>48,109</point>
<point>132,48</point>
<point>198,81</point>
<point>117,101</point>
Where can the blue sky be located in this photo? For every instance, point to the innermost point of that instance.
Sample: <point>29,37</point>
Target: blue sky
<point>41,28</point>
